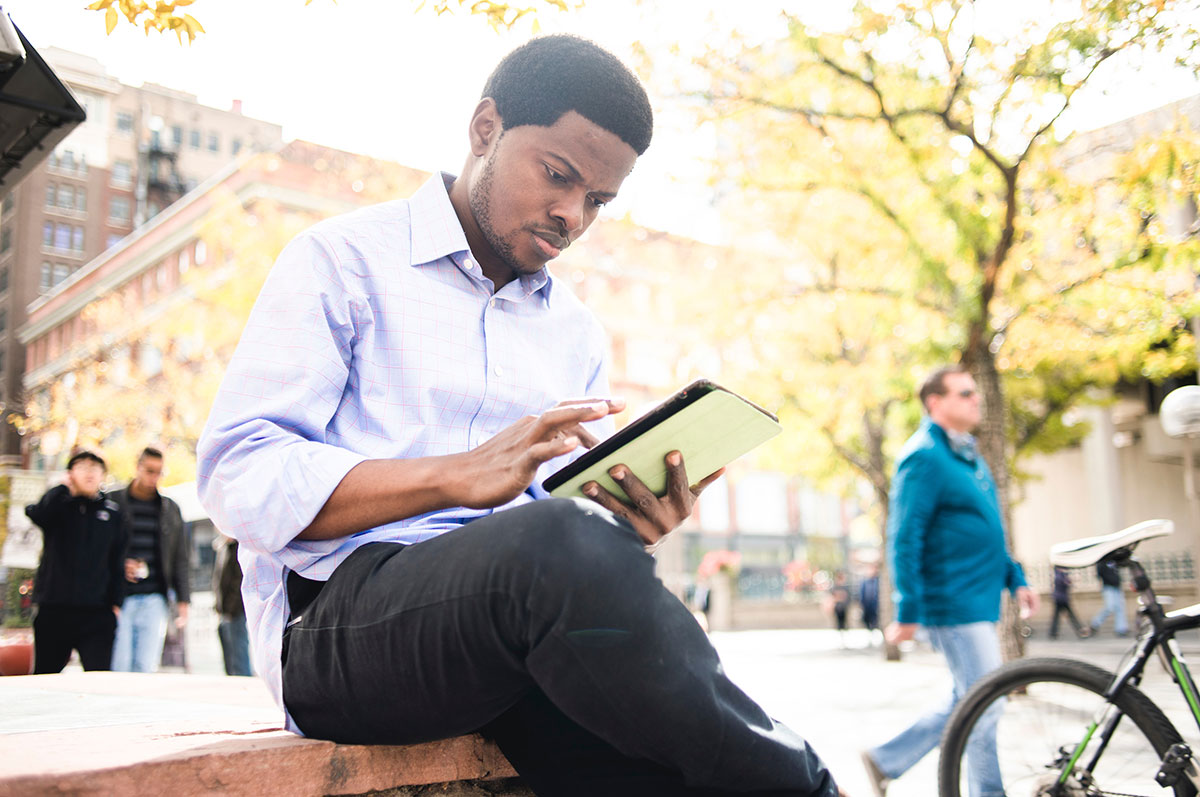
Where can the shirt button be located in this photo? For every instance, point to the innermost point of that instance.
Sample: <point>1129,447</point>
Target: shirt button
<point>497,370</point>
<point>470,264</point>
<point>492,303</point>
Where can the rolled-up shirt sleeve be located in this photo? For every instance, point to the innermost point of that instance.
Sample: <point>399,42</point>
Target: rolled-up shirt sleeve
<point>265,467</point>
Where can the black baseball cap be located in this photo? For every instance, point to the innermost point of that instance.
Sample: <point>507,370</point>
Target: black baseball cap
<point>80,456</point>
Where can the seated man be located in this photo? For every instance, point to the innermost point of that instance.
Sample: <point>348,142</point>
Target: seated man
<point>401,389</point>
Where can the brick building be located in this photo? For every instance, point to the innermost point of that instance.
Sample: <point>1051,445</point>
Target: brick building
<point>140,149</point>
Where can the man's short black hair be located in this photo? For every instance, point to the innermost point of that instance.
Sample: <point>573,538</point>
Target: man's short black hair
<point>935,383</point>
<point>548,76</point>
<point>86,456</point>
<point>150,452</point>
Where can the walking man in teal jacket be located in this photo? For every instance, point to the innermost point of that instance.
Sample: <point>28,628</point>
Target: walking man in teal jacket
<point>950,567</point>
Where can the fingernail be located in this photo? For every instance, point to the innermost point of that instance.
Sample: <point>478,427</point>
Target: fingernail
<point>617,473</point>
<point>674,458</point>
<point>571,441</point>
<point>591,489</point>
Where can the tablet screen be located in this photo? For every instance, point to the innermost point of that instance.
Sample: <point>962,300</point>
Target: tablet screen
<point>709,425</point>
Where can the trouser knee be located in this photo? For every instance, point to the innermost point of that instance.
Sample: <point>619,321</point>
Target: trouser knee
<point>576,544</point>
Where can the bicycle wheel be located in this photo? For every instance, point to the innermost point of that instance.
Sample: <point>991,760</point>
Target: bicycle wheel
<point>1041,710</point>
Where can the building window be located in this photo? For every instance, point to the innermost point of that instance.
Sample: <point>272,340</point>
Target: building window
<point>5,245</point>
<point>51,195</point>
<point>155,140</point>
<point>66,197</point>
<point>77,239</point>
<point>122,172</point>
<point>3,279</point>
<point>124,122</point>
<point>194,139</point>
<point>201,253</point>
<point>48,234</point>
<point>236,146</point>
<point>176,136</point>
<point>1,362</point>
<point>61,272</point>
<point>118,209</point>
<point>214,143</point>
<point>44,282</point>
<point>113,239</point>
<point>8,204</point>
<point>160,276</point>
<point>184,260</point>
<point>3,321</point>
<point>68,160</point>
<point>81,200</point>
<point>62,236</point>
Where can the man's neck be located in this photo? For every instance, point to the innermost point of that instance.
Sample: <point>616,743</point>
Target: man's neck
<point>949,428</point>
<point>140,492</point>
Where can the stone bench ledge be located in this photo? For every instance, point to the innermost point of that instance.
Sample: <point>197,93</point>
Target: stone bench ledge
<point>118,733</point>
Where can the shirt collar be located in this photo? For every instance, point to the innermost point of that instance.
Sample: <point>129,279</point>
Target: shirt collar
<point>443,236</point>
<point>962,444</point>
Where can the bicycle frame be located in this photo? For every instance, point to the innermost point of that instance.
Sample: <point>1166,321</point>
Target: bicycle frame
<point>1160,637</point>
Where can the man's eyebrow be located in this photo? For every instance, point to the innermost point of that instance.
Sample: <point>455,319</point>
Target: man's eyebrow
<point>574,174</point>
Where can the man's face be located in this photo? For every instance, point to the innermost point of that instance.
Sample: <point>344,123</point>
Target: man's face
<point>87,476</point>
<point>539,188</point>
<point>958,409</point>
<point>149,471</point>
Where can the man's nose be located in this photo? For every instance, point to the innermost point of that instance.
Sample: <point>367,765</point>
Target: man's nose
<point>569,211</point>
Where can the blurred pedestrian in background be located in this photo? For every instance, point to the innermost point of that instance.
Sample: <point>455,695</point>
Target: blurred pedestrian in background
<point>838,603</point>
<point>1062,605</point>
<point>1114,599</point>
<point>80,579</point>
<point>156,568</point>
<point>227,601</point>
<point>868,599</point>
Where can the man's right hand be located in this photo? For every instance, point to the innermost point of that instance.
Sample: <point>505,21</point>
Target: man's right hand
<point>503,467</point>
<point>899,632</point>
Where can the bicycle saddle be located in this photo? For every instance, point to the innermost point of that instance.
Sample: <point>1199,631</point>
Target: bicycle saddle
<point>1090,550</point>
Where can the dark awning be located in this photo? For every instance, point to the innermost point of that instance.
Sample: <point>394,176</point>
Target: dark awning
<point>36,111</point>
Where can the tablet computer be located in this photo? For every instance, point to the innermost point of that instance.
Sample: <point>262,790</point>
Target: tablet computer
<point>709,425</point>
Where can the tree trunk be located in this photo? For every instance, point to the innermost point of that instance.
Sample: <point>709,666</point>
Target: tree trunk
<point>993,445</point>
<point>881,484</point>
<point>891,652</point>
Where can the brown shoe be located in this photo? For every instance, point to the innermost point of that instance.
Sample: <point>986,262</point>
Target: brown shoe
<point>879,781</point>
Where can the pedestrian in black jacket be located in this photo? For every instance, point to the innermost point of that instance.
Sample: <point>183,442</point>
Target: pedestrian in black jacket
<point>80,580</point>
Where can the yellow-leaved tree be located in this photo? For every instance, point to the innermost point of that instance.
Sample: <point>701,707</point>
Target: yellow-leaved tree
<point>909,168</point>
<point>165,15</point>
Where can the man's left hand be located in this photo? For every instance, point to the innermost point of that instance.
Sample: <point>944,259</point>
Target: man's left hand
<point>181,617</point>
<point>652,517</point>
<point>1027,602</point>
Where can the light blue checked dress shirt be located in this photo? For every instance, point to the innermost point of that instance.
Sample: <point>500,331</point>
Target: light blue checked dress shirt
<point>376,336</point>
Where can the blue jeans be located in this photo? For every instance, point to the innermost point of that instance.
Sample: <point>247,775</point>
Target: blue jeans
<point>1114,604</point>
<point>141,631</point>
<point>972,650</point>
<point>235,645</point>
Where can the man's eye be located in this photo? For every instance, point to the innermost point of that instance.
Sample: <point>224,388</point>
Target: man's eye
<point>555,176</point>
<point>597,202</point>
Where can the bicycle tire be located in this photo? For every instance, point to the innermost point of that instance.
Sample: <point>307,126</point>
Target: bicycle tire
<point>1034,687</point>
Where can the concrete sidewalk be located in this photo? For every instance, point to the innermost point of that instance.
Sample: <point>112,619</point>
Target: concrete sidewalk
<point>843,700</point>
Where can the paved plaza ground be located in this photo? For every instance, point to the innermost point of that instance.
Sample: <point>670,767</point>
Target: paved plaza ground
<point>845,699</point>
<point>837,692</point>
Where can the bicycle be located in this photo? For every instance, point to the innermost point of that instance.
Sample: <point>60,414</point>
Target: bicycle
<point>1066,728</point>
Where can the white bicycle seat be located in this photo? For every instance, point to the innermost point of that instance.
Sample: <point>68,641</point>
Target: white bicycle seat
<point>1090,550</point>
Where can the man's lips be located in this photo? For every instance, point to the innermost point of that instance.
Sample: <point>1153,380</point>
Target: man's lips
<point>550,243</point>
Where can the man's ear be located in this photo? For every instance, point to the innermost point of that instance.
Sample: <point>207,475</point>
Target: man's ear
<point>485,127</point>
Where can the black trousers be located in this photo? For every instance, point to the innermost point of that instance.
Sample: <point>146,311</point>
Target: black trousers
<point>57,630</point>
<point>1061,608</point>
<point>544,627</point>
